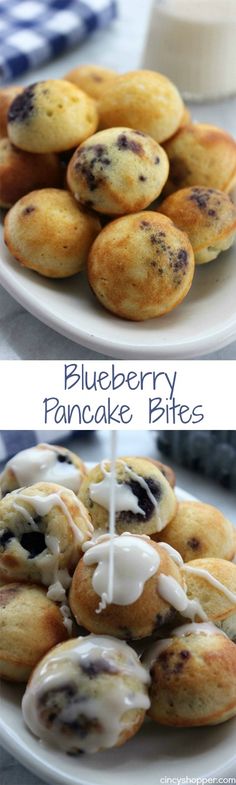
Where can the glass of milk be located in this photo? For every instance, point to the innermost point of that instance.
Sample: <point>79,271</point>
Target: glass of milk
<point>193,42</point>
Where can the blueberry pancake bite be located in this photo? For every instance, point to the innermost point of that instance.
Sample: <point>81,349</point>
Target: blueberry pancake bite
<point>118,171</point>
<point>51,116</point>
<point>7,95</point>
<point>193,677</point>
<point>30,625</point>
<point>42,530</point>
<point>87,695</point>
<point>207,215</point>
<point>43,463</point>
<point>145,100</point>
<point>145,502</point>
<point>93,79</point>
<point>166,470</point>
<point>141,266</point>
<point>140,603</point>
<point>46,231</point>
<point>213,582</point>
<point>22,172</point>
<point>201,154</point>
<point>199,530</point>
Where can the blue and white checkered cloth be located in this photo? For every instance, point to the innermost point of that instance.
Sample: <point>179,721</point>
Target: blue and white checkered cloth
<point>35,31</point>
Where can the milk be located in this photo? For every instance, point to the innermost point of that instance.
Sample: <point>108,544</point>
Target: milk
<point>193,42</point>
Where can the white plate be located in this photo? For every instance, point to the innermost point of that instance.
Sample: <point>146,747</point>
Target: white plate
<point>205,321</point>
<point>155,753</point>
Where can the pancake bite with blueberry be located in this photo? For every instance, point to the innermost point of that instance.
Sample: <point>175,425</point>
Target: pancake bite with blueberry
<point>199,530</point>
<point>144,501</point>
<point>42,530</point>
<point>30,625</point>
<point>213,582</point>
<point>7,95</point>
<point>193,677</point>
<point>51,116</point>
<point>43,463</point>
<point>145,100</point>
<point>141,266</point>
<point>93,79</point>
<point>207,215</point>
<point>201,154</point>
<point>21,172</point>
<point>87,695</point>
<point>142,599</point>
<point>46,231</point>
<point>118,171</point>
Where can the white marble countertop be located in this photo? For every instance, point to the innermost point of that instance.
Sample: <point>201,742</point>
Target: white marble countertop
<point>91,448</point>
<point>21,335</point>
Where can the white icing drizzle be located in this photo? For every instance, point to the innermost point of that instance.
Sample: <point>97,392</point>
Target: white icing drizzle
<point>175,555</point>
<point>108,598</point>
<point>67,620</point>
<point>41,463</point>
<point>135,561</point>
<point>171,591</point>
<point>199,628</point>
<point>125,498</point>
<point>210,578</point>
<point>107,707</point>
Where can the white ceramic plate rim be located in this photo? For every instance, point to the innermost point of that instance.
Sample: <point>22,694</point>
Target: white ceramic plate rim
<point>30,757</point>
<point>15,281</point>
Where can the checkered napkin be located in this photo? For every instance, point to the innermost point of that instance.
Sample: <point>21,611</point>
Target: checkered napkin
<point>35,31</point>
<point>12,442</point>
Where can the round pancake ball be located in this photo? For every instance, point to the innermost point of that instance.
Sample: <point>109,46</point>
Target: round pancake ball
<point>201,154</point>
<point>145,100</point>
<point>7,95</point>
<point>30,625</point>
<point>141,266</point>
<point>22,172</point>
<point>199,530</point>
<point>193,678</point>
<point>44,462</point>
<point>207,215</point>
<point>51,116</point>
<point>46,231</point>
<point>118,171</point>
<point>93,79</point>
<point>218,600</point>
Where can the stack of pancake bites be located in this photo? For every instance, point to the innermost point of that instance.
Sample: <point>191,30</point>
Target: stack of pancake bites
<point>82,161</point>
<point>161,644</point>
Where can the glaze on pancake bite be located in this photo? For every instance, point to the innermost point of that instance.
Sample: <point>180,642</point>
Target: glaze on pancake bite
<point>140,602</point>
<point>207,215</point>
<point>144,501</point>
<point>30,625</point>
<point>193,677</point>
<point>51,116</point>
<point>145,100</point>
<point>46,231</point>
<point>42,530</point>
<point>141,266</point>
<point>213,582</point>
<point>44,462</point>
<point>118,171</point>
<point>199,530</point>
<point>201,154</point>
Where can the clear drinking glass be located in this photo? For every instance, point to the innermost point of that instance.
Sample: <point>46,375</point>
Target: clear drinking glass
<point>193,42</point>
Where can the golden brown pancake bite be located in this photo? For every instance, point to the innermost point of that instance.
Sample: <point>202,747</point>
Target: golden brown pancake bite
<point>199,530</point>
<point>30,625</point>
<point>44,462</point>
<point>145,502</point>
<point>7,95</point>
<point>51,116</point>
<point>201,154</point>
<point>93,79</point>
<point>46,231</point>
<point>87,695</point>
<point>207,215</point>
<point>141,266</point>
<point>193,677</point>
<point>213,582</point>
<point>21,172</point>
<point>145,100</point>
<point>118,171</point>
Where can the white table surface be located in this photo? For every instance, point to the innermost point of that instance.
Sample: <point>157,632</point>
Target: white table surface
<point>120,47</point>
<point>92,447</point>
